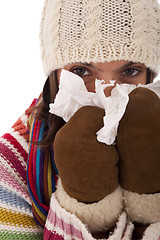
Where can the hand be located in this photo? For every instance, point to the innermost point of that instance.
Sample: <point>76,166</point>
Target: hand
<point>87,168</point>
<point>138,142</point>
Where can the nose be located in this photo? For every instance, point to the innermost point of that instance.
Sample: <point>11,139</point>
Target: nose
<point>107,90</point>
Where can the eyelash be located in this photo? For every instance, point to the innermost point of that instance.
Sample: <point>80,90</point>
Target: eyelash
<point>82,68</point>
<point>134,75</point>
<point>74,70</point>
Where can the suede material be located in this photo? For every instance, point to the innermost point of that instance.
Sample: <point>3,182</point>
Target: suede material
<point>138,142</point>
<point>87,168</point>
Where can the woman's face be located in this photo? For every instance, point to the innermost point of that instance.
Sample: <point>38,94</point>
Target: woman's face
<point>121,71</point>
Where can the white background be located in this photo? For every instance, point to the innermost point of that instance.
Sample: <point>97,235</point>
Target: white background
<point>21,72</point>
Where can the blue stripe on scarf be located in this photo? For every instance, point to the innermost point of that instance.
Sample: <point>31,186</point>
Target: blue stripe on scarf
<point>54,169</point>
<point>38,164</point>
<point>30,191</point>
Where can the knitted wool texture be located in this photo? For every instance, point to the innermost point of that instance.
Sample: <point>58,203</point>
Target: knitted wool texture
<point>62,225</point>
<point>17,222</point>
<point>41,170</point>
<point>98,31</point>
<point>16,219</point>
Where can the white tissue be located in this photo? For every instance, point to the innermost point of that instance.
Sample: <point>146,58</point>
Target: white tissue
<point>155,87</point>
<point>115,107</point>
<point>73,95</point>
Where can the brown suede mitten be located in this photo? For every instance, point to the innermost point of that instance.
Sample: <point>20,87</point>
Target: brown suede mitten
<point>87,168</point>
<point>138,142</point>
<point>88,172</point>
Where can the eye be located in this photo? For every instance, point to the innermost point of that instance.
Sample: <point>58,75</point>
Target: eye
<point>80,71</point>
<point>131,72</point>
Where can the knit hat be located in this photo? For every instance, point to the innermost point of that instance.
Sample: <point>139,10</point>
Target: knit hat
<point>98,31</point>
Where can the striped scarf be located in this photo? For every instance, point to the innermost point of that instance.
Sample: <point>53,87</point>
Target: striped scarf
<point>41,171</point>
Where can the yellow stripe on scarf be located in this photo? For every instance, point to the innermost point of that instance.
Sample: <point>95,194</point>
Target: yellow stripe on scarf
<point>49,176</point>
<point>9,217</point>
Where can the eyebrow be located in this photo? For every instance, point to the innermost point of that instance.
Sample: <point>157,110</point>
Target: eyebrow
<point>127,65</point>
<point>91,66</point>
<point>100,70</point>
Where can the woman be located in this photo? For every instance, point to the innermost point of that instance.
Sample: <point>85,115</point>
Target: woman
<point>106,40</point>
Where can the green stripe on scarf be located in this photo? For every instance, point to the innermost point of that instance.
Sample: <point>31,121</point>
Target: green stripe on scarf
<point>20,236</point>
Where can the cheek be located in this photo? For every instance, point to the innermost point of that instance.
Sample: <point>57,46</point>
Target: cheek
<point>58,74</point>
<point>90,86</point>
<point>142,79</point>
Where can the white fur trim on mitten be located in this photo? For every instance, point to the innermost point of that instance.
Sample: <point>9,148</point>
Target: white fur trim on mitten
<point>142,208</point>
<point>97,216</point>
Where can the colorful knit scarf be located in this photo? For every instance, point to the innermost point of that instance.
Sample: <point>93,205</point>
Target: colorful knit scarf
<point>41,171</point>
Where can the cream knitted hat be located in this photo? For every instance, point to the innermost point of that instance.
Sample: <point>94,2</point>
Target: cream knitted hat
<point>98,31</point>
